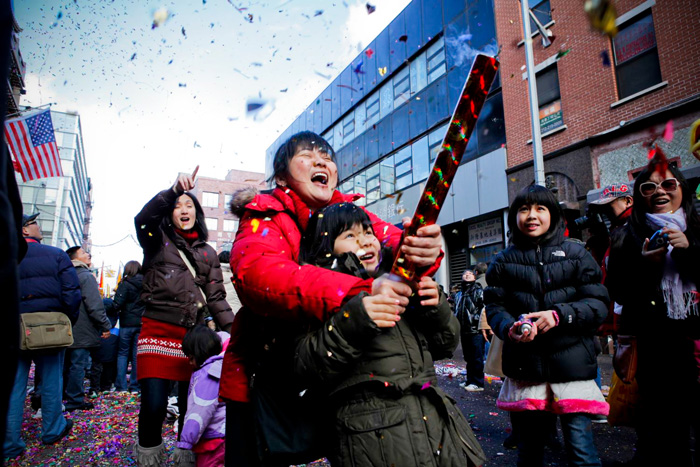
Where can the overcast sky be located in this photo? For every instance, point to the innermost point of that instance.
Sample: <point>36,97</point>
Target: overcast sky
<point>155,101</point>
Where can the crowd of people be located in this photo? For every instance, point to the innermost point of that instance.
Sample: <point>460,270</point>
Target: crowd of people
<point>320,352</point>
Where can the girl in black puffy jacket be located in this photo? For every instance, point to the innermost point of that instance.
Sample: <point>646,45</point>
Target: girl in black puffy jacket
<point>551,368</point>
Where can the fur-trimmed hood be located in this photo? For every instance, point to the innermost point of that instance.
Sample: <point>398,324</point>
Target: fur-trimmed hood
<point>241,198</point>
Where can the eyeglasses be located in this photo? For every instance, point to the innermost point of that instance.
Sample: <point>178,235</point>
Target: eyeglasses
<point>649,188</point>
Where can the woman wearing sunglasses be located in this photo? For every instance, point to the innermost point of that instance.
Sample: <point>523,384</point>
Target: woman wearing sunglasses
<point>657,285</point>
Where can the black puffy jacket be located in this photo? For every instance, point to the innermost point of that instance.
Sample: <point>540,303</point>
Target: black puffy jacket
<point>128,301</point>
<point>556,275</point>
<point>468,305</point>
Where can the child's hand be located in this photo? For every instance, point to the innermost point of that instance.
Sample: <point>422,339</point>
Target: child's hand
<point>526,336</point>
<point>383,310</point>
<point>543,320</point>
<point>397,290</point>
<point>428,289</point>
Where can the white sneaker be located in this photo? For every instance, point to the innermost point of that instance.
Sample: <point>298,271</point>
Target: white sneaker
<point>474,388</point>
<point>37,414</point>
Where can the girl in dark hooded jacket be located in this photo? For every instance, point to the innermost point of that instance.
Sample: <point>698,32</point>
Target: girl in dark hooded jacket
<point>554,285</point>
<point>377,365</point>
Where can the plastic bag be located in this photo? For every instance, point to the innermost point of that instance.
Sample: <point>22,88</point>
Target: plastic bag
<point>494,359</point>
<point>624,402</point>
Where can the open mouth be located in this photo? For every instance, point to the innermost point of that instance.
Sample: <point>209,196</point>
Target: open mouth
<point>184,220</point>
<point>319,177</point>
<point>532,226</point>
<point>365,256</point>
<point>660,201</point>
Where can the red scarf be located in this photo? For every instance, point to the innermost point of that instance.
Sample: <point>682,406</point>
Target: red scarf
<point>302,211</point>
<point>189,235</point>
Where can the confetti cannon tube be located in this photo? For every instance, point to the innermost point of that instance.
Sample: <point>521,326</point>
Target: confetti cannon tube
<point>454,144</point>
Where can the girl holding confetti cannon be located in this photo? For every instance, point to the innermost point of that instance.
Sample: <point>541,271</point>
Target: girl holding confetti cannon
<point>377,365</point>
<point>552,287</point>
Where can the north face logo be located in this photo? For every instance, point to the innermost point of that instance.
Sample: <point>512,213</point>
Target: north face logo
<point>559,253</point>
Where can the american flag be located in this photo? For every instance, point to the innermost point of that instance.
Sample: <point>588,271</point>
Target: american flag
<point>33,143</point>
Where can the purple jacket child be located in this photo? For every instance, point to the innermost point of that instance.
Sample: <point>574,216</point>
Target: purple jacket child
<point>206,416</point>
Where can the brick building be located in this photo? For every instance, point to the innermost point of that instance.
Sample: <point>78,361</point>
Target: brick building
<point>215,196</point>
<point>604,98</point>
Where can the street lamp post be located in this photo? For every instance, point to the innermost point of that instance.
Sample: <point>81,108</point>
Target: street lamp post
<point>532,93</point>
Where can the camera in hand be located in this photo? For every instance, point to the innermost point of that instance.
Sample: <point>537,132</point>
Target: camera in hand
<point>593,221</point>
<point>525,324</point>
<point>658,240</point>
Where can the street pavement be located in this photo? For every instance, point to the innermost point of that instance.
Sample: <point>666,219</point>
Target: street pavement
<point>491,425</point>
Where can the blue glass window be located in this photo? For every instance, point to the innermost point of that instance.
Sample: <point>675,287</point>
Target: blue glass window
<point>326,104</point>
<point>402,87</point>
<point>432,19</point>
<point>318,116</point>
<point>542,11</point>
<point>338,136</point>
<point>335,99</point>
<point>386,99</point>
<point>384,136</point>
<point>358,153</point>
<point>386,175</point>
<point>404,172</point>
<point>417,122</point>
<point>346,98</point>
<point>413,28</point>
<point>346,187</point>
<point>452,8</point>
<point>418,74</point>
<point>491,127</point>
<point>436,101</point>
<point>372,109</point>
<point>371,145</point>
<point>435,57</point>
<point>421,159</point>
<point>482,25</point>
<point>357,68</point>
<point>397,42</point>
<point>400,126</point>
<point>372,179</point>
<point>435,141</point>
<point>369,66</point>
<point>360,188</point>
<point>382,54</point>
<point>360,118</point>
<point>344,163</point>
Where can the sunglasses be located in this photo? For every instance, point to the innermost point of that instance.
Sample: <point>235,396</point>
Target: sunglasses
<point>649,188</point>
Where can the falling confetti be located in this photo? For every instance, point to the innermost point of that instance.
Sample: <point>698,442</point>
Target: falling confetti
<point>369,53</point>
<point>255,223</point>
<point>160,17</point>
<point>605,57</point>
<point>382,71</point>
<point>562,53</point>
<point>403,38</point>
<point>318,13</point>
<point>183,32</point>
<point>602,15</point>
<point>370,8</point>
<point>132,57</point>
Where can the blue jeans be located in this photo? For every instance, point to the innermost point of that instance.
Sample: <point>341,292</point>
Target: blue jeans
<point>78,362</point>
<point>50,367</point>
<point>473,349</point>
<point>127,351</point>
<point>532,429</point>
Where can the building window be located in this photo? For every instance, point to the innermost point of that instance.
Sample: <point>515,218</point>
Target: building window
<point>435,56</point>
<point>636,56</point>
<point>373,193</point>
<point>386,99</point>
<point>212,223</point>
<point>227,203</point>
<point>542,11</point>
<point>404,168</point>
<point>402,87</point>
<point>549,99</point>
<point>212,244</point>
<point>419,75</point>
<point>230,225</point>
<point>50,195</point>
<point>360,119</point>
<point>210,200</point>
<point>348,128</point>
<point>421,161</point>
<point>328,136</point>
<point>372,107</point>
<point>435,141</point>
<point>338,136</point>
<point>386,175</point>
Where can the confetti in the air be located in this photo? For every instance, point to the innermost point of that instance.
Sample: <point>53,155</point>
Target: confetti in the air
<point>160,17</point>
<point>370,8</point>
<point>369,53</point>
<point>382,71</point>
<point>605,57</point>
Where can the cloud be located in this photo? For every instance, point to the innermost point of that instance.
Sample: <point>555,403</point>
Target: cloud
<point>362,28</point>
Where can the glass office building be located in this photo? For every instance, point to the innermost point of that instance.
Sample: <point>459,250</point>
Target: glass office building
<point>62,202</point>
<point>386,113</point>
